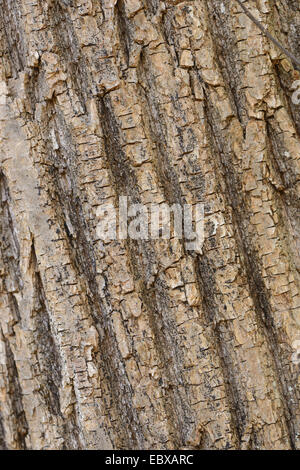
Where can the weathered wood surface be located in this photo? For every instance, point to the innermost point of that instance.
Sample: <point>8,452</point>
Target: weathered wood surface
<point>132,344</point>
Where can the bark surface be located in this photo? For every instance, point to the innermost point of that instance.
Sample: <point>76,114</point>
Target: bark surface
<point>143,344</point>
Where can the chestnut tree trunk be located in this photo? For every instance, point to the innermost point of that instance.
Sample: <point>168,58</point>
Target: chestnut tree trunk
<point>142,344</point>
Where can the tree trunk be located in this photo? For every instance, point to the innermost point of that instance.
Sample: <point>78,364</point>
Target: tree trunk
<point>142,344</point>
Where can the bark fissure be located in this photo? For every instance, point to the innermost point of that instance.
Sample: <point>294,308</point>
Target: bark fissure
<point>162,325</point>
<point>16,397</point>
<point>47,354</point>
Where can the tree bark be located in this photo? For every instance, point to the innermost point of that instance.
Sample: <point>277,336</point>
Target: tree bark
<point>134,344</point>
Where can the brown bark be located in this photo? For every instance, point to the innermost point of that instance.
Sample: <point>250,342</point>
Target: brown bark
<point>143,344</point>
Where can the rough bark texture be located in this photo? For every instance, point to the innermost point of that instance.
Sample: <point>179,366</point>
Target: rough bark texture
<point>140,345</point>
